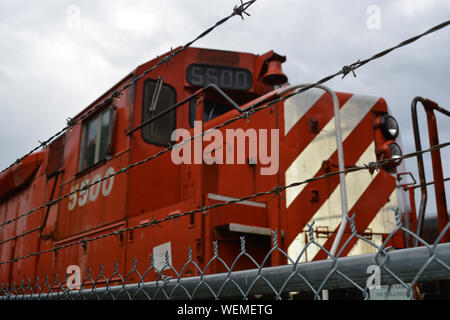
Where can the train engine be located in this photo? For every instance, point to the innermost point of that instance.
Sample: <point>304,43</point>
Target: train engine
<point>184,104</point>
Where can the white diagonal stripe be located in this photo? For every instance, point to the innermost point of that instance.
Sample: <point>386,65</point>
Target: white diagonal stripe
<point>384,222</point>
<point>225,199</point>
<point>308,162</point>
<point>296,107</point>
<point>328,214</point>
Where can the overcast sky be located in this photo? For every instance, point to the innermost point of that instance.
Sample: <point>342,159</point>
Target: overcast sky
<point>58,56</point>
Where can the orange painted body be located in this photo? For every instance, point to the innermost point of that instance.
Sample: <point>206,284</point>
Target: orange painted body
<point>160,188</point>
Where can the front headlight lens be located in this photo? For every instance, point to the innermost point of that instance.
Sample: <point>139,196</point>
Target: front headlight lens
<point>395,152</point>
<point>389,127</point>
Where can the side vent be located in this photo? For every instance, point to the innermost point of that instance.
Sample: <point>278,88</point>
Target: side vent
<point>56,156</point>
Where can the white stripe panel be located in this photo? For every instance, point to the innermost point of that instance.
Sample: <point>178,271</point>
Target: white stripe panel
<point>330,213</point>
<point>296,107</point>
<point>384,222</point>
<point>308,163</point>
<point>226,199</point>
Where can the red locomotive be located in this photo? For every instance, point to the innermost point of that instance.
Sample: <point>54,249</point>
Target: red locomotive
<point>302,144</point>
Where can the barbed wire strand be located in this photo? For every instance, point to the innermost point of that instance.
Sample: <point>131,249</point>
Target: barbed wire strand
<point>252,109</point>
<point>237,11</point>
<point>371,166</point>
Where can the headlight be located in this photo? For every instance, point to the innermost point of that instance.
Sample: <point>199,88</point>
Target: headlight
<point>395,152</point>
<point>389,127</point>
<point>390,150</point>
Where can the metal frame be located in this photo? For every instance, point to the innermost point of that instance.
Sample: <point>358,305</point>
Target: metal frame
<point>405,264</point>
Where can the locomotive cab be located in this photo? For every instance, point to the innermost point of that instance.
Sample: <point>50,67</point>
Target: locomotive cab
<point>209,87</point>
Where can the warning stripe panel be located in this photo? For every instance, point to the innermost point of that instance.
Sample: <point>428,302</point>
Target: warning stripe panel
<point>383,223</point>
<point>320,200</point>
<point>369,206</point>
<point>309,161</point>
<point>300,135</point>
<point>330,212</point>
<point>296,107</point>
<point>303,208</point>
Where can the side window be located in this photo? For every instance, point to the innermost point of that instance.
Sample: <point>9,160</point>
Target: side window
<point>212,109</point>
<point>96,139</point>
<point>159,131</point>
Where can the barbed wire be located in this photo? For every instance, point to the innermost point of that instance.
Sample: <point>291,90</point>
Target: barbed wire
<point>251,109</point>
<point>356,65</point>
<point>371,166</point>
<point>237,11</point>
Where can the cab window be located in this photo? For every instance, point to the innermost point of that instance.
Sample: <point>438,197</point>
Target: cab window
<point>96,139</point>
<point>211,109</point>
<point>154,102</point>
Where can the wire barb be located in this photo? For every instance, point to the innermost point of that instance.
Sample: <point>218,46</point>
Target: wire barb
<point>346,70</point>
<point>277,190</point>
<point>43,144</point>
<point>167,59</point>
<point>154,222</point>
<point>248,113</point>
<point>71,122</point>
<point>116,94</point>
<point>372,166</point>
<point>240,10</point>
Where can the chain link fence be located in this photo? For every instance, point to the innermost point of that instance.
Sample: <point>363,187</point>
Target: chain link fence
<point>414,273</point>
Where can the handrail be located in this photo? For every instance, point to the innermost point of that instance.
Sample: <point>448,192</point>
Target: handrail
<point>441,203</point>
